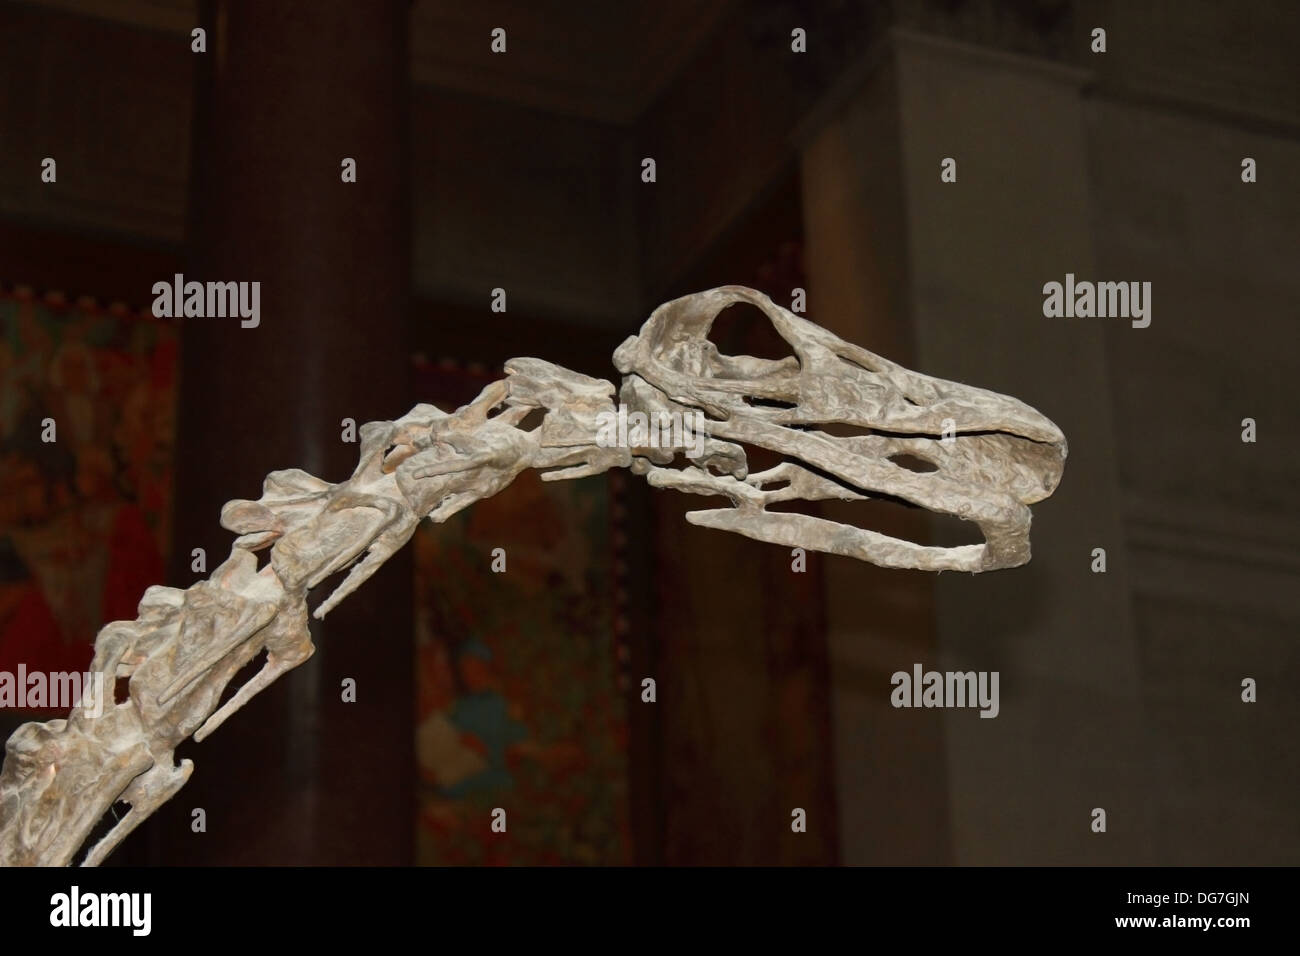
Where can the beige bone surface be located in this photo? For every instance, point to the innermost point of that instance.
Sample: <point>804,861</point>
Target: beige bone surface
<point>991,456</point>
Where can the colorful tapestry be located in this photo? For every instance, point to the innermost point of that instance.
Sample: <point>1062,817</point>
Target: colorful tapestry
<point>86,427</point>
<point>521,703</point>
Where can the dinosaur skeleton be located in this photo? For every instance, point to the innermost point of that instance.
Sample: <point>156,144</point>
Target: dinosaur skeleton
<point>991,456</point>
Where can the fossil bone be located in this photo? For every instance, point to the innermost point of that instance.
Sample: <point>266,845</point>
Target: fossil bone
<point>991,456</point>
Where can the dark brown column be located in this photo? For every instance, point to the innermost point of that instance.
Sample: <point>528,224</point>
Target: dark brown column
<point>285,92</point>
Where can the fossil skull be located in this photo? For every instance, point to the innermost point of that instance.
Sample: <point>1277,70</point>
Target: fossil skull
<point>990,456</point>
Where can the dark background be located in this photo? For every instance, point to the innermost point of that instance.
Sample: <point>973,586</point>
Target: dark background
<point>778,170</point>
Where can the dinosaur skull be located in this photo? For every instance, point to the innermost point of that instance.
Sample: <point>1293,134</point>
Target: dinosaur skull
<point>991,455</point>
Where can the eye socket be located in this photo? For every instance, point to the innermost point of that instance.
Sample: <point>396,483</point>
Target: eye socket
<point>742,328</point>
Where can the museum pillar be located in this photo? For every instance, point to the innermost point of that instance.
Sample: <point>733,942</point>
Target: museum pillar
<point>286,94</point>
<point>893,247</point>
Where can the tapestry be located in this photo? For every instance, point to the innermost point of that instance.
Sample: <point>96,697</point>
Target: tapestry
<point>87,401</point>
<point>521,704</point>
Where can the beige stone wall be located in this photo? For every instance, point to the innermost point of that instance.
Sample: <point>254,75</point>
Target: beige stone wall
<point>1211,522</point>
<point>1120,690</point>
